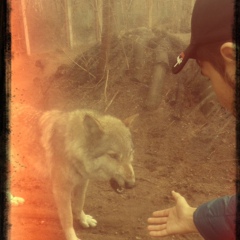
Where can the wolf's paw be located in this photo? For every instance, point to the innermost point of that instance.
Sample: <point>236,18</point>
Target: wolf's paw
<point>88,221</point>
<point>15,201</point>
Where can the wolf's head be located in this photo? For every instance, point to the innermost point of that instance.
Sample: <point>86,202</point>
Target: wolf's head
<point>109,151</point>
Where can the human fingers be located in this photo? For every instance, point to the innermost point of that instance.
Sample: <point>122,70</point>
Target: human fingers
<point>157,220</point>
<point>176,195</point>
<point>180,199</point>
<point>161,213</point>
<point>156,227</point>
<point>160,233</point>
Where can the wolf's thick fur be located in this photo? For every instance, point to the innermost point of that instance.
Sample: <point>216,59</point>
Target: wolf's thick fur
<point>71,148</point>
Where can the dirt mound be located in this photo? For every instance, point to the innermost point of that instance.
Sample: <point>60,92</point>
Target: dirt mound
<point>133,58</point>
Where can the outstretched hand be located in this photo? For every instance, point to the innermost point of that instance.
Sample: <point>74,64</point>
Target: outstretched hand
<point>175,220</point>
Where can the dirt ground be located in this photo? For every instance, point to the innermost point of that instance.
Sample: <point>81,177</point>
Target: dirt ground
<point>193,154</point>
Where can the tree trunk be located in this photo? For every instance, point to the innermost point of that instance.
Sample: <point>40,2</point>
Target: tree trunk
<point>150,8</point>
<point>25,25</point>
<point>68,23</point>
<point>154,95</point>
<point>98,18</point>
<point>107,35</point>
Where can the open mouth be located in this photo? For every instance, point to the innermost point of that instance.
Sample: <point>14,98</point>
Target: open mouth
<point>116,187</point>
<point>120,189</point>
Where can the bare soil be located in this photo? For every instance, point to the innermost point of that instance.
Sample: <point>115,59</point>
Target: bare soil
<point>193,154</point>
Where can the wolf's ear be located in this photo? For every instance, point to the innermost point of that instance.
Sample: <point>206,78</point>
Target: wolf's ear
<point>92,126</point>
<point>129,120</point>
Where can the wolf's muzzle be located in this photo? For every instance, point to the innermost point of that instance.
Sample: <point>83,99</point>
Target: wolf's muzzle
<point>129,185</point>
<point>119,189</point>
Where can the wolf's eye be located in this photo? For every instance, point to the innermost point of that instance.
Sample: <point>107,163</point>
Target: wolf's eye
<point>114,156</point>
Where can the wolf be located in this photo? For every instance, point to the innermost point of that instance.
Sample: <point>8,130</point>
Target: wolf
<point>71,148</point>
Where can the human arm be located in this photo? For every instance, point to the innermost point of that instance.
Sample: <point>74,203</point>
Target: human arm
<point>214,220</point>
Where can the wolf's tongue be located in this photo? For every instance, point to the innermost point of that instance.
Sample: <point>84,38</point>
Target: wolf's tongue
<point>115,186</point>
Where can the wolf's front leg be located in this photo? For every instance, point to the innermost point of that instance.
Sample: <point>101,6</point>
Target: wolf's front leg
<point>62,195</point>
<point>78,199</point>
